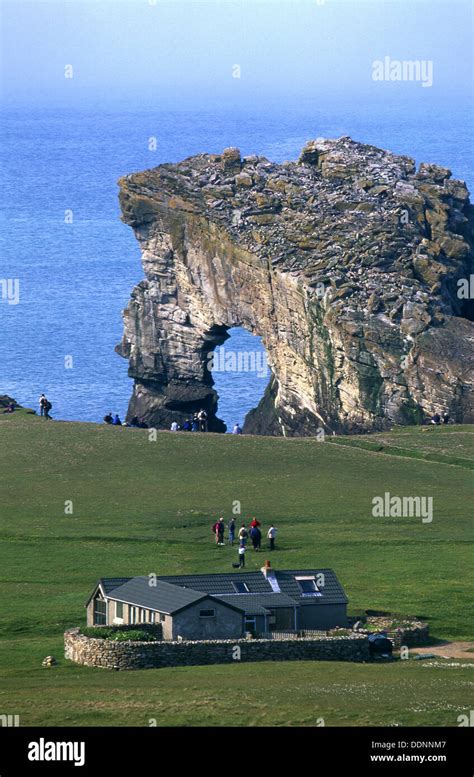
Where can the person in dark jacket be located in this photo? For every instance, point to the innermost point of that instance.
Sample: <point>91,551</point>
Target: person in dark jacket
<point>256,537</point>
<point>220,531</point>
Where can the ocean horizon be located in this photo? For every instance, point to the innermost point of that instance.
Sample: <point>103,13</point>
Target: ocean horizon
<point>76,263</point>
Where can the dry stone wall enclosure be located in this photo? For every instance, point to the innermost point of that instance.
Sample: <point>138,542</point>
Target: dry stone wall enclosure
<point>147,655</point>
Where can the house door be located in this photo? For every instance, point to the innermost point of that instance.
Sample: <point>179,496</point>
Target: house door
<point>283,619</point>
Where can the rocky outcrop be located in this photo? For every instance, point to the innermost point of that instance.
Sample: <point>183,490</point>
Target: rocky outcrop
<point>345,262</point>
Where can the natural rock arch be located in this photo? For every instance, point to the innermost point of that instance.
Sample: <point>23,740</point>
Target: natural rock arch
<point>346,264</point>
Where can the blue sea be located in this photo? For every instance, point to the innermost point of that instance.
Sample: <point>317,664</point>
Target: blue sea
<point>75,278</point>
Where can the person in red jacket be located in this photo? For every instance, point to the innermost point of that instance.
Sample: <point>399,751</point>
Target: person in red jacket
<point>255,524</point>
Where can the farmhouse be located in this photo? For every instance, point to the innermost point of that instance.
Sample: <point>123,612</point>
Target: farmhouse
<point>222,606</point>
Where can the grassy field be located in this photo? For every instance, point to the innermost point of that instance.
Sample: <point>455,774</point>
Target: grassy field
<point>141,506</point>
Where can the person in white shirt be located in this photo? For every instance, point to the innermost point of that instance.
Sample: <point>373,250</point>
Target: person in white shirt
<point>271,534</point>
<point>242,556</point>
<point>174,426</point>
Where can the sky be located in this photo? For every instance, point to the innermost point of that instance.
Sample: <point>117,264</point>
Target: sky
<point>189,50</point>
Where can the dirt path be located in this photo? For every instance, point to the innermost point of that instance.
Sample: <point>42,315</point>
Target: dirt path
<point>449,650</point>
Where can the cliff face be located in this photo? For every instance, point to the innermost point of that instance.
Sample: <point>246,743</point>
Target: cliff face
<point>345,262</point>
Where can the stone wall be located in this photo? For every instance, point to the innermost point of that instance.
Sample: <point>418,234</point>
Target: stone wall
<point>147,655</point>
<point>412,633</point>
<point>411,637</point>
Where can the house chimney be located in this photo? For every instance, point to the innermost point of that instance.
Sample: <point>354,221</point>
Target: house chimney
<point>267,570</point>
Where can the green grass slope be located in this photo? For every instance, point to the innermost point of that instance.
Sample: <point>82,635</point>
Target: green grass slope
<point>142,506</point>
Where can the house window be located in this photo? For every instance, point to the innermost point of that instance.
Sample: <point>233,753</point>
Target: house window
<point>308,586</point>
<point>161,617</point>
<point>100,612</point>
<point>133,615</point>
<point>119,610</point>
<point>207,613</point>
<point>241,587</point>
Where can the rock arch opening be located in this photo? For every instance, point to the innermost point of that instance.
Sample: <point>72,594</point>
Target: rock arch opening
<point>351,303</point>
<point>241,373</point>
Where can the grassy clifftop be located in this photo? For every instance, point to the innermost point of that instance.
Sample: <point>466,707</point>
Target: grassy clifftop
<point>141,506</point>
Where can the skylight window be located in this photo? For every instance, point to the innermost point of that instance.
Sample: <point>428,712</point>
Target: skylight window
<point>308,586</point>
<point>241,587</point>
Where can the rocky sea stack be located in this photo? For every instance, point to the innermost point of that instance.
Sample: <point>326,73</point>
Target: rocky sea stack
<point>349,263</point>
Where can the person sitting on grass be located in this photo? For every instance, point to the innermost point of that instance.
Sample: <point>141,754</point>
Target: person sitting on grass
<point>435,419</point>
<point>117,421</point>
<point>108,419</point>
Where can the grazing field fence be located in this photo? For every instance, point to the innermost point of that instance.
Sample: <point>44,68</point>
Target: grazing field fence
<point>301,634</point>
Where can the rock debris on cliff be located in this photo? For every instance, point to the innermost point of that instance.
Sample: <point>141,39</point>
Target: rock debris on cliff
<point>346,263</point>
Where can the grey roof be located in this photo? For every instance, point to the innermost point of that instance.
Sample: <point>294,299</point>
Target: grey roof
<point>175,592</point>
<point>213,584</point>
<point>332,591</point>
<point>257,604</point>
<point>163,597</point>
<point>108,584</point>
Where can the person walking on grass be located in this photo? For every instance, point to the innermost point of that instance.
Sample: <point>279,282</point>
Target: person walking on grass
<point>47,408</point>
<point>42,403</point>
<point>220,531</point>
<point>242,556</point>
<point>243,534</point>
<point>271,535</point>
<point>231,528</point>
<point>256,537</point>
<point>202,417</point>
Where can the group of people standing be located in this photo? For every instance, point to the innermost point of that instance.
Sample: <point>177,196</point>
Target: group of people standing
<point>198,423</point>
<point>252,532</point>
